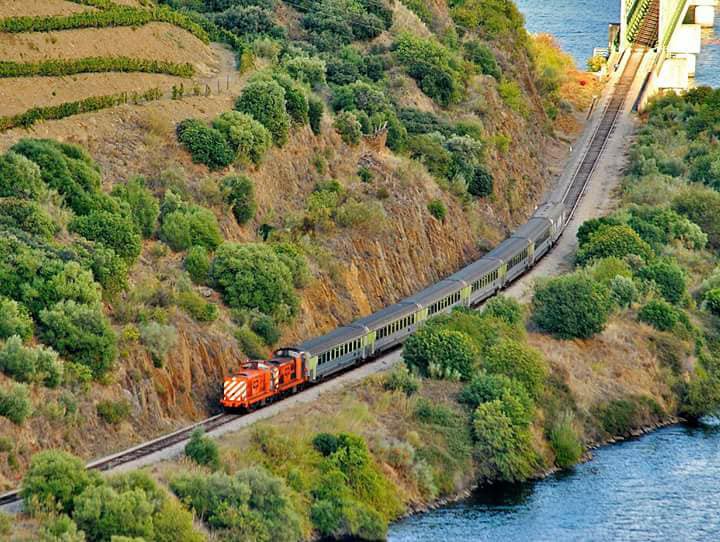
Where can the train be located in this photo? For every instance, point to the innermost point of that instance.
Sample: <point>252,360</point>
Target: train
<point>257,382</point>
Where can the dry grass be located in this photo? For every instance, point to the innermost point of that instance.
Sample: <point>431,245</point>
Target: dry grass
<point>18,8</point>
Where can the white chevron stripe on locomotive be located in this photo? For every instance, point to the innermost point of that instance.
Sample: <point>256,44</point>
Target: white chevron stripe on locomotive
<point>235,389</point>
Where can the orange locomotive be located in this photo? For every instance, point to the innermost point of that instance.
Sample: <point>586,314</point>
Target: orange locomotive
<point>258,382</point>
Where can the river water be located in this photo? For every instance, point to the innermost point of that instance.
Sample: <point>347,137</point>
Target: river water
<point>663,486</point>
<point>581,25</point>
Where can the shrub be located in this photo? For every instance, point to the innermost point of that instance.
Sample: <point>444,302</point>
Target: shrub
<point>515,401</point>
<point>347,125</point>
<point>668,277</point>
<point>296,102</point>
<point>571,307</point>
<point>519,361</point>
<point>712,301</point>
<point>206,145</point>
<point>402,379</point>
<point>250,343</point>
<point>172,523</point>
<point>72,282</point>
<point>481,182</point>
<point>504,308</point>
<point>659,314</point>
<point>203,450</point>
<point>54,479</point>
<point>265,328</point>
<point>295,261</point>
<point>436,70</point>
<point>81,333</point>
<point>113,412</point>
<point>104,513</point>
<point>702,206</point>
<point>369,216</point>
<point>142,202</point>
<point>197,264</point>
<point>623,291</point>
<point>248,21</point>
<point>513,96</point>
<point>240,194</point>
<point>310,70</point>
<point>15,404</point>
<point>440,353</point>
<point>437,209</point>
<point>606,269</point>
<point>265,102</point>
<point>27,216</point>
<point>192,303</point>
<point>482,56</point>
<point>365,174</point>
<point>616,241</point>
<point>565,442</point>
<point>14,320</point>
<point>618,416</point>
<point>191,226</point>
<point>247,137</point>
<point>30,364</point>
<point>19,177</point>
<point>316,110</point>
<point>159,339</point>
<point>589,227</point>
<point>252,276</point>
<point>506,453</point>
<point>111,230</point>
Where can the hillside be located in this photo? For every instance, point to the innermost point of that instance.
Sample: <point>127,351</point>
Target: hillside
<point>410,172</point>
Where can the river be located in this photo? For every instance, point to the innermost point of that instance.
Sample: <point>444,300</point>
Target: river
<point>581,25</point>
<point>663,486</point>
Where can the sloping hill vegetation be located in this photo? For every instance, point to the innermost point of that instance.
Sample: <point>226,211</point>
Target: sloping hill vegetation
<point>334,175</point>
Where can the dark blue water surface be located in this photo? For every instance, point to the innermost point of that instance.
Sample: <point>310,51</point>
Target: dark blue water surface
<point>664,486</point>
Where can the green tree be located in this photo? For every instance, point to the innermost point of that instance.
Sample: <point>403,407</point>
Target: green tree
<point>572,306</point>
<point>142,202</point>
<point>102,513</point>
<point>668,277</point>
<point>316,109</point>
<point>247,137</point>
<point>240,194</point>
<point>616,241</point>
<point>504,308</point>
<point>346,124</point>
<point>660,314</point>
<point>518,361</point>
<point>197,264</point>
<point>206,145</point>
<point>55,478</point>
<point>14,320</point>
<point>191,226</point>
<point>203,450</point>
<point>81,333</point>
<point>111,230</point>
<point>265,102</point>
<point>19,177</point>
<point>441,353</point>
<point>513,395</point>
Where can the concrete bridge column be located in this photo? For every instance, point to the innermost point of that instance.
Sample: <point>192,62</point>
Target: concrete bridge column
<point>705,13</point>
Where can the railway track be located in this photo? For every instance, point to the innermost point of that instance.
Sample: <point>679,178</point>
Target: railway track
<point>573,193</point>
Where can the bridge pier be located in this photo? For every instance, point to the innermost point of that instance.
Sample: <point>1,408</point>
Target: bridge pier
<point>705,13</point>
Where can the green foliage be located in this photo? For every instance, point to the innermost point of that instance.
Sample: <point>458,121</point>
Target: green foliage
<point>518,361</point>
<point>59,67</point>
<point>660,314</point>
<point>618,416</point>
<point>606,269</point>
<point>515,401</point>
<point>67,109</point>
<point>437,209</point>
<point>572,306</point>
<point>481,182</point>
<point>113,412</point>
<point>701,206</point>
<point>506,451</point>
<point>203,450</point>
<point>19,177</point>
<point>249,22</point>
<point>250,505</point>
<point>250,343</point>
<point>197,264</point>
<point>334,23</point>
<point>28,364</point>
<point>190,225</point>
<point>296,102</point>
<point>591,226</point>
<point>669,278</point>
<point>402,379</point>
<point>712,301</point>
<point>265,102</point>
<point>295,261</point>
<point>53,480</point>
<point>173,523</point>
<point>61,529</point>
<point>81,333</point>
<point>248,138</point>
<point>347,125</point>
<point>265,328</point>
<point>565,442</point>
<point>240,194</point>
<point>111,230</point>
<point>616,241</point>
<point>513,96</point>
<point>316,109</point>
<point>206,145</point>
<point>104,513</point>
<point>159,339</point>
<point>252,276</point>
<point>15,404</point>
<point>112,16</point>
<point>14,320</point>
<point>142,203</point>
<point>435,68</point>
<point>192,303</point>
<point>307,69</point>
<point>484,59</point>
<point>441,353</point>
<point>504,308</point>
<point>623,291</point>
<point>27,216</point>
